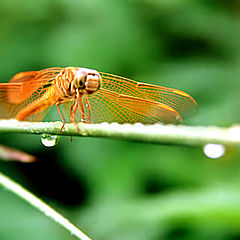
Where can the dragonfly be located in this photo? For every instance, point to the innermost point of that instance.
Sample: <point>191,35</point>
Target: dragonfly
<point>89,96</point>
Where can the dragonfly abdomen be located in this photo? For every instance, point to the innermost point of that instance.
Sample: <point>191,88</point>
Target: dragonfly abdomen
<point>40,104</point>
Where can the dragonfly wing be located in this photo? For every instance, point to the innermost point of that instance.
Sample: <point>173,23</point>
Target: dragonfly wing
<point>107,106</point>
<point>26,83</point>
<point>23,76</point>
<point>182,102</point>
<point>23,89</point>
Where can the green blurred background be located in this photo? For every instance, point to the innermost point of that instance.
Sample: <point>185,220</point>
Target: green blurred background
<point>114,189</point>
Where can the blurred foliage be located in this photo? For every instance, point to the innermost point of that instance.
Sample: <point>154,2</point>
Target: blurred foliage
<point>121,190</point>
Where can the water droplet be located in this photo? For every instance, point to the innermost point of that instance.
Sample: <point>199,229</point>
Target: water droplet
<point>214,150</point>
<point>49,140</point>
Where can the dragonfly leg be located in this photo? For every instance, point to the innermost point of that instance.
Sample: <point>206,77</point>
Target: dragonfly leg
<point>81,109</point>
<point>61,115</point>
<point>89,110</point>
<point>73,110</point>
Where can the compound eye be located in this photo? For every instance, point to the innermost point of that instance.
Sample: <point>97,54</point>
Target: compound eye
<point>92,82</point>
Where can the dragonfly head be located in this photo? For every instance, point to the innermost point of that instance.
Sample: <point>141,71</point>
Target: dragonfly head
<point>86,80</point>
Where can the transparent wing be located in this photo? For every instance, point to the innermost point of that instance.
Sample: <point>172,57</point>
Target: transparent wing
<point>182,102</point>
<point>118,99</point>
<point>23,89</point>
<point>123,100</point>
<point>107,106</point>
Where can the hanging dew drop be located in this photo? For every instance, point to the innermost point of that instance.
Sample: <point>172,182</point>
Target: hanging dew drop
<point>49,140</point>
<point>214,150</point>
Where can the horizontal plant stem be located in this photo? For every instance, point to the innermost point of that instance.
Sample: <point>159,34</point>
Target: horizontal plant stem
<point>157,133</point>
<point>41,206</point>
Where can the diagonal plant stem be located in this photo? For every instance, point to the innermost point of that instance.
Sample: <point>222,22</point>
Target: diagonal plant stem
<point>41,206</point>
<point>157,133</point>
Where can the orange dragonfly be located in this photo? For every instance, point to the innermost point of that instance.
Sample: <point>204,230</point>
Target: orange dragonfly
<point>92,97</point>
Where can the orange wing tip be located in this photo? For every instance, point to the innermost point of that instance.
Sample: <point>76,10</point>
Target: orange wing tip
<point>185,95</point>
<point>18,75</point>
<point>181,93</point>
<point>167,107</point>
<point>170,109</point>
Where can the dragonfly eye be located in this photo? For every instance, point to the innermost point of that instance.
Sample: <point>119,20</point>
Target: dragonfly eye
<point>87,80</point>
<point>92,82</point>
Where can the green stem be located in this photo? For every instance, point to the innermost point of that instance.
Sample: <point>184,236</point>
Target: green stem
<point>157,133</point>
<point>41,206</point>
